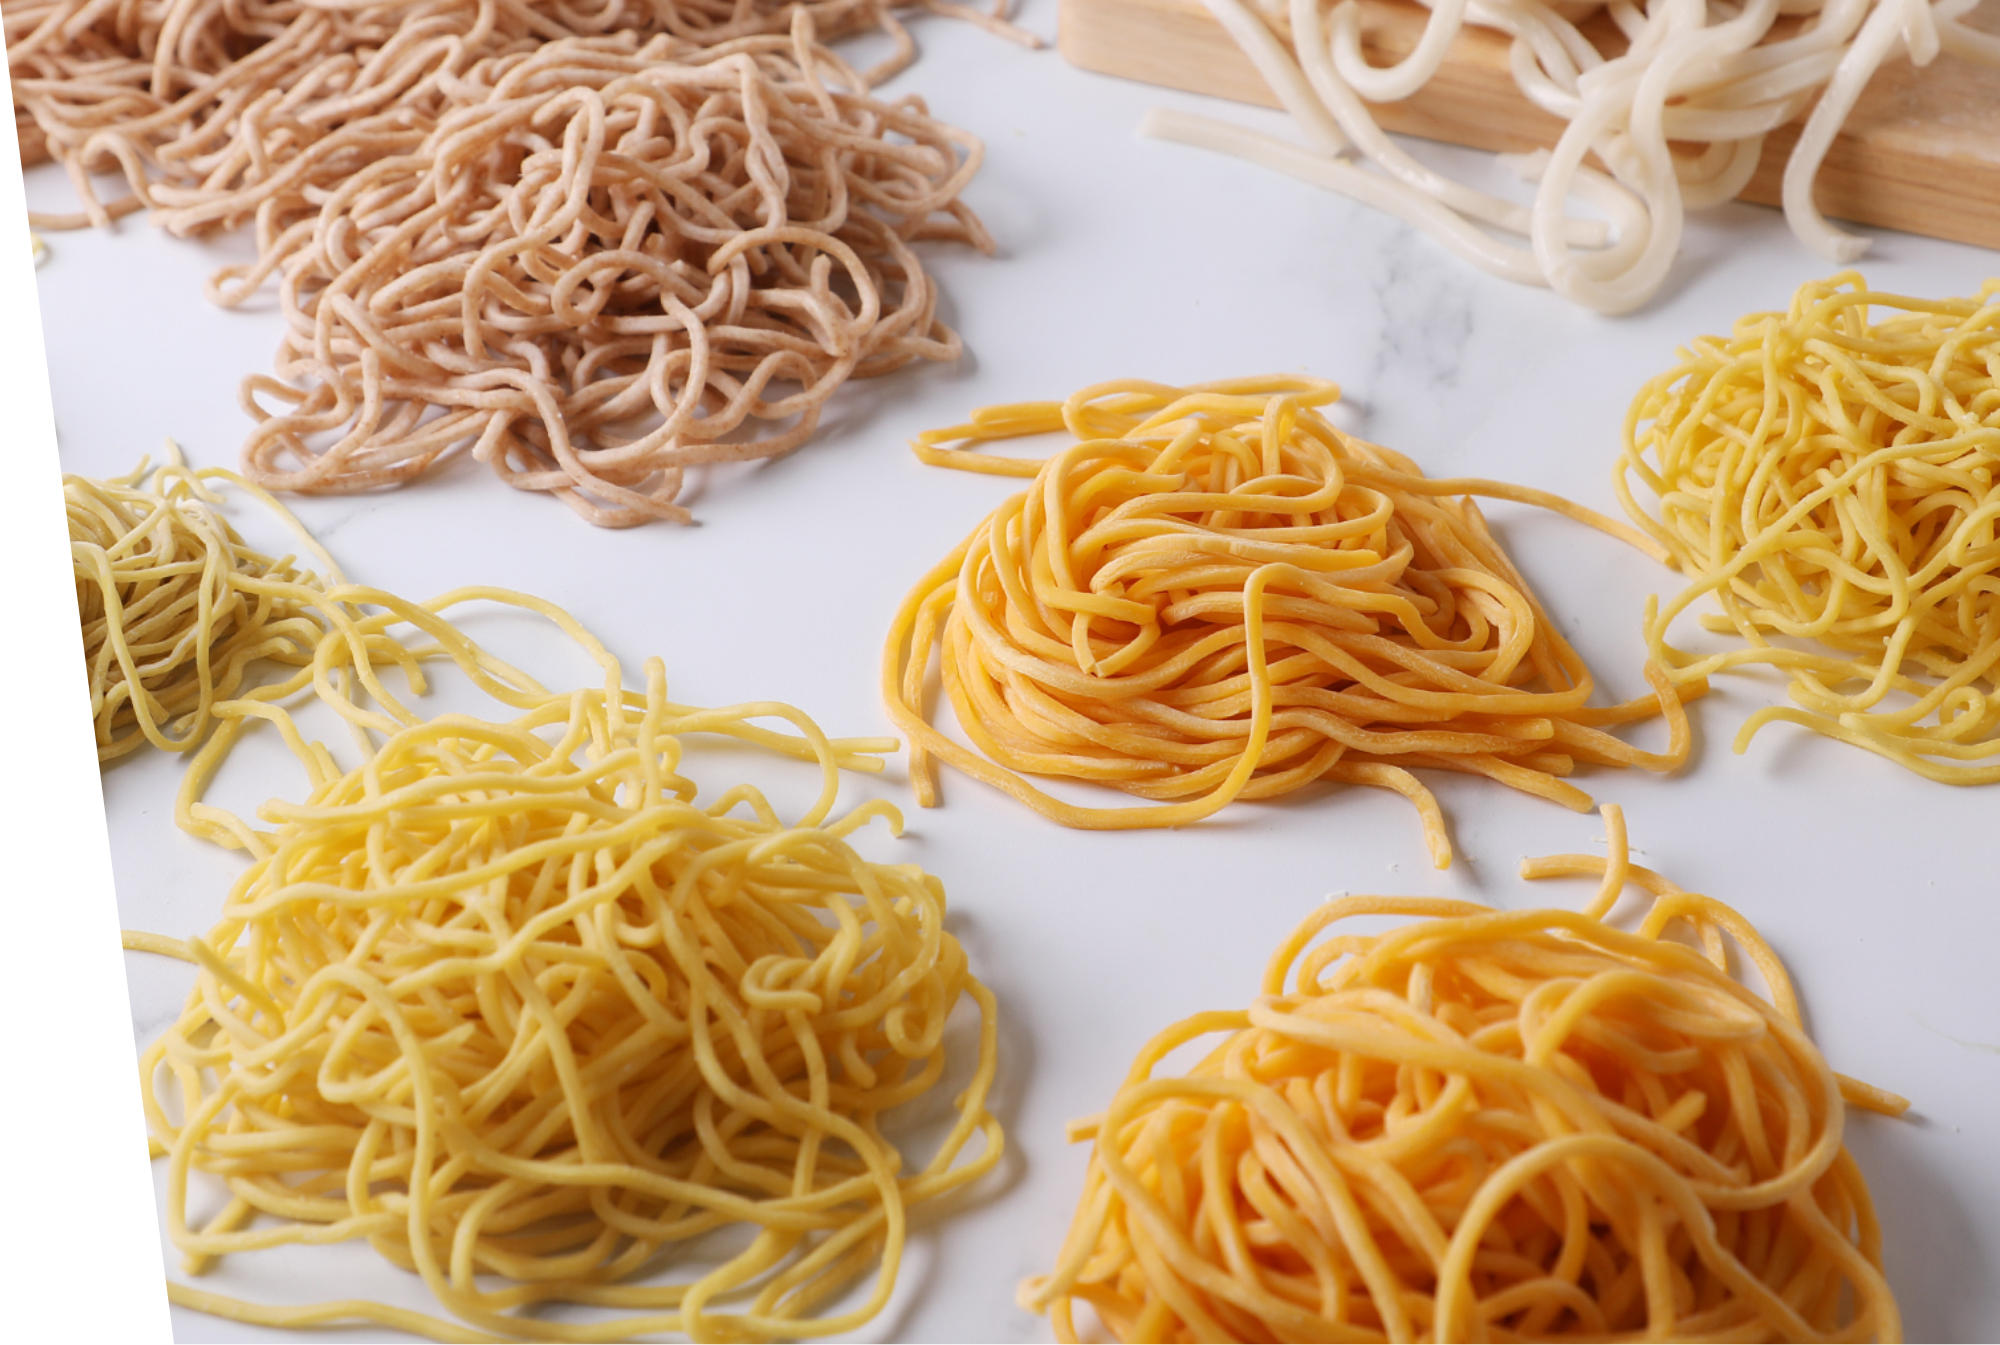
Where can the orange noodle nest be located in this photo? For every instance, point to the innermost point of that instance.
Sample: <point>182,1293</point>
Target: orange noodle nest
<point>1214,594</point>
<point>1486,1125</point>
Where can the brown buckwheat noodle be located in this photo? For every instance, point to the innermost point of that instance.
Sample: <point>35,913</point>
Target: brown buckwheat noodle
<point>507,1003</point>
<point>1486,1125</point>
<point>1828,482</point>
<point>1214,594</point>
<point>602,267</point>
<point>212,111</point>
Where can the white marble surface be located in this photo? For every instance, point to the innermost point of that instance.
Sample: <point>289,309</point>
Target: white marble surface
<point>1123,257</point>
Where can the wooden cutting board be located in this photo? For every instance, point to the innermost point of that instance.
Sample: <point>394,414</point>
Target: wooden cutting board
<point>1921,151</point>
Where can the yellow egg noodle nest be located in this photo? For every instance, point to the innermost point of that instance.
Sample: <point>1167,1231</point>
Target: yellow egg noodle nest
<point>1486,1125</point>
<point>176,608</point>
<point>506,1002</point>
<point>1827,481</point>
<point>1212,593</point>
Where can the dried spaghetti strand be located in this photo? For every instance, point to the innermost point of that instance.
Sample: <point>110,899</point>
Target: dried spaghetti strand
<point>604,267</point>
<point>1213,594</point>
<point>1484,1125</point>
<point>1826,480</point>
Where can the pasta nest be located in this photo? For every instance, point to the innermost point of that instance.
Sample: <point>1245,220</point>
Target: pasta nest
<point>175,607</point>
<point>602,267</point>
<point>209,110</point>
<point>1828,482</point>
<point>1484,1125</point>
<point>1214,594</point>
<point>504,1002</point>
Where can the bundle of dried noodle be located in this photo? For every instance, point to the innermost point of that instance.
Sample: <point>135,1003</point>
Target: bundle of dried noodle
<point>1214,594</point>
<point>209,110</point>
<point>602,268</point>
<point>1486,1125</point>
<point>176,608</point>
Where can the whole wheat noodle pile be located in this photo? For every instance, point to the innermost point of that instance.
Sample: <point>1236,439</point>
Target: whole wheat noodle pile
<point>600,268</point>
<point>211,107</point>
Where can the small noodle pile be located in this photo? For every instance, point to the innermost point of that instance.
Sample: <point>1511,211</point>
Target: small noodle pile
<point>210,110</point>
<point>506,1003</point>
<point>175,607</point>
<point>1674,99</point>
<point>1486,1125</point>
<point>1829,483</point>
<point>1214,594</point>
<point>604,266</point>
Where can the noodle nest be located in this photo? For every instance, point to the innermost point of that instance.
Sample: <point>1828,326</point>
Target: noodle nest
<point>210,109</point>
<point>603,266</point>
<point>1485,1125</point>
<point>1828,482</point>
<point>175,607</point>
<point>506,1003</point>
<point>1214,594</point>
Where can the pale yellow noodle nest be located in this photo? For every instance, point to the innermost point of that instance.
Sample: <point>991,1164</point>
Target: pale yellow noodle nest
<point>603,267</point>
<point>176,608</point>
<point>505,1001</point>
<point>1827,481</point>
<point>1486,1125</point>
<point>1212,593</point>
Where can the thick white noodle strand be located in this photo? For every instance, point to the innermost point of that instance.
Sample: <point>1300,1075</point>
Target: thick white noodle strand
<point>1389,84</point>
<point>1702,75</point>
<point>1886,29</point>
<point>1322,73</point>
<point>1281,72</point>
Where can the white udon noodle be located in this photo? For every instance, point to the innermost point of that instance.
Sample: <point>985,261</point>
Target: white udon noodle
<point>1701,72</point>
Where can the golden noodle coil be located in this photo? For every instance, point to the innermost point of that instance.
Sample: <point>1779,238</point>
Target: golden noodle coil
<point>1214,594</point>
<point>1828,482</point>
<point>209,110</point>
<point>505,1002</point>
<point>175,607</point>
<point>604,267</point>
<point>1484,1125</point>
